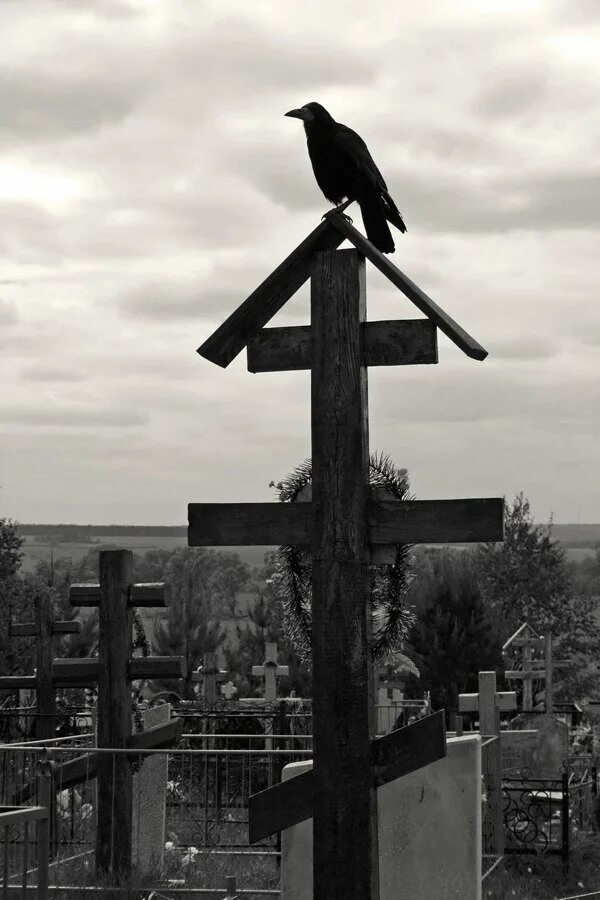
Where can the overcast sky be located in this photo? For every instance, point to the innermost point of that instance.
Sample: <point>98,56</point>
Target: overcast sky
<point>149,182</point>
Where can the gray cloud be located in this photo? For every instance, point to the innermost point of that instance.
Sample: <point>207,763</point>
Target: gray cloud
<point>8,312</point>
<point>70,417</point>
<point>522,348</point>
<point>52,106</point>
<point>50,374</point>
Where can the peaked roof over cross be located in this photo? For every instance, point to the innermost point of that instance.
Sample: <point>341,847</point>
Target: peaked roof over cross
<point>246,322</point>
<point>524,636</point>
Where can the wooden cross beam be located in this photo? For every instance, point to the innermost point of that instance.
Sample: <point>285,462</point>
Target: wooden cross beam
<point>486,702</point>
<point>208,675</point>
<point>393,755</point>
<point>115,596</point>
<point>343,523</point>
<point>43,628</point>
<point>269,670</point>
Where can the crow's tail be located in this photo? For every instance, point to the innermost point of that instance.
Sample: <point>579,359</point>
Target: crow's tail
<point>374,218</point>
<point>392,213</point>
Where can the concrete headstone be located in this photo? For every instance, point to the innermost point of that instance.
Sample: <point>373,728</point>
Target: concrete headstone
<point>150,801</point>
<point>429,832</point>
<point>552,744</point>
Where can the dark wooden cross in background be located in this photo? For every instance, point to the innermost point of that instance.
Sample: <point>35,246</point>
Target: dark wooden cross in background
<point>343,524</point>
<point>44,629</point>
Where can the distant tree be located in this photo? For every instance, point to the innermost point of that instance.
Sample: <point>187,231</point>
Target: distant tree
<point>527,578</point>
<point>11,543</point>
<point>262,622</point>
<point>202,583</point>
<point>453,639</point>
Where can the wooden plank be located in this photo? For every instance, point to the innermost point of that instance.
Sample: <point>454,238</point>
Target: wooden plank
<point>115,797</point>
<point>387,343</point>
<point>150,595</point>
<point>389,522</point>
<point>67,774</point>
<point>16,682</point>
<point>157,667</point>
<point>281,806</point>
<point>157,737</point>
<point>407,749</point>
<point>70,627</point>
<point>436,521</point>
<point>425,304</point>
<point>516,674</point>
<point>345,832</point>
<point>18,815</point>
<point>85,672</point>
<point>246,321</point>
<point>394,755</point>
<point>45,725</point>
<point>505,700</point>
<point>245,524</point>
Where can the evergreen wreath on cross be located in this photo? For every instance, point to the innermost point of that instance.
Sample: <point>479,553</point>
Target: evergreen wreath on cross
<point>392,617</point>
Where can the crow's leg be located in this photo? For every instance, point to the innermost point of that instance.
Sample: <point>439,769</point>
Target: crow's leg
<point>339,209</point>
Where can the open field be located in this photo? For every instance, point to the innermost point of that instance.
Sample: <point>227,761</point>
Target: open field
<point>579,541</point>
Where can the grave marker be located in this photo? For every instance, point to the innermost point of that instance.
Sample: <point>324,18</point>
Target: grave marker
<point>341,523</point>
<point>489,702</point>
<point>43,628</point>
<point>208,675</point>
<point>269,670</point>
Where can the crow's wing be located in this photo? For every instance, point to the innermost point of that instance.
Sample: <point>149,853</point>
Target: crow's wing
<point>352,145</point>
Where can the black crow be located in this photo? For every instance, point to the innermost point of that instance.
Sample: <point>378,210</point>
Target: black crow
<point>344,168</point>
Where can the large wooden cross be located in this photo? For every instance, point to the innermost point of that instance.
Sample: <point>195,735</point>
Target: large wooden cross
<point>44,629</point>
<point>115,596</point>
<point>345,521</point>
<point>527,639</point>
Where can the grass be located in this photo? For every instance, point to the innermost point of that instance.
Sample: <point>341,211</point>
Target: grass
<point>543,878</point>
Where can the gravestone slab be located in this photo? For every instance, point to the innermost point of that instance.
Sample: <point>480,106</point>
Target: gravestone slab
<point>429,832</point>
<point>150,800</point>
<point>552,746</point>
<point>519,749</point>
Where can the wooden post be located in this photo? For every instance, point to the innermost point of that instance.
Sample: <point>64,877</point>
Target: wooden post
<point>113,841</point>
<point>548,667</point>
<point>527,679</point>
<point>45,692</point>
<point>346,861</point>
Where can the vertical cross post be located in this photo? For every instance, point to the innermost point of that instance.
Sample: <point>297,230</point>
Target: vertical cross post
<point>346,855</point>
<point>527,679</point>
<point>548,667</point>
<point>113,842</point>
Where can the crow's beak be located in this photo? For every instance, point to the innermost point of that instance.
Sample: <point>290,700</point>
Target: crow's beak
<point>297,114</point>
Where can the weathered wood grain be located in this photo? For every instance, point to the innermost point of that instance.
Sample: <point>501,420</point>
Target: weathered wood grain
<point>444,322</point>
<point>115,621</point>
<point>246,321</point>
<point>85,672</point>
<point>387,343</point>
<point>148,595</point>
<point>245,524</point>
<point>388,522</point>
<point>394,755</point>
<point>29,629</point>
<point>17,682</point>
<point>45,695</point>
<point>436,521</point>
<point>346,858</point>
